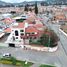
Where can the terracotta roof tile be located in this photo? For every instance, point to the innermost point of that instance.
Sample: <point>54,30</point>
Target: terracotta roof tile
<point>39,25</point>
<point>8,30</point>
<point>20,25</point>
<point>31,29</point>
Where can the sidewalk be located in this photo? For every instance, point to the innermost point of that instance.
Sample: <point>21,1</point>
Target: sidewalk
<point>39,48</point>
<point>3,45</point>
<point>63,32</point>
<point>35,65</point>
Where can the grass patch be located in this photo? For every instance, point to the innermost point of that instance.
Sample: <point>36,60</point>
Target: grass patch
<point>13,61</point>
<point>46,66</point>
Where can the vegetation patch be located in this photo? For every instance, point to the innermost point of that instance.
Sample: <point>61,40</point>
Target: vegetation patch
<point>48,39</point>
<point>14,61</point>
<point>47,66</point>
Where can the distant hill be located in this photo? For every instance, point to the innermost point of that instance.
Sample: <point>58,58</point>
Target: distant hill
<point>1,2</point>
<point>4,4</point>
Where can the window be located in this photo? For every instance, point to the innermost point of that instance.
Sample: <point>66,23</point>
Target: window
<point>16,37</point>
<point>32,33</point>
<point>16,33</point>
<point>22,34</point>
<point>21,30</point>
<point>21,37</point>
<point>30,37</point>
<point>34,37</point>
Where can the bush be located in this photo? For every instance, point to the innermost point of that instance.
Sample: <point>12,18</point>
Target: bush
<point>13,60</point>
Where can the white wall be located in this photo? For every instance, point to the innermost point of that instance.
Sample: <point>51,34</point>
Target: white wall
<point>18,29</point>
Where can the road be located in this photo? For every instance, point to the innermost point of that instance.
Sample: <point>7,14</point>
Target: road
<point>3,65</point>
<point>63,40</point>
<point>57,58</point>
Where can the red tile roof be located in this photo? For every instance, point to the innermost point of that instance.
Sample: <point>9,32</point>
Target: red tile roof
<point>31,29</point>
<point>39,25</point>
<point>29,22</point>
<point>7,20</point>
<point>8,30</point>
<point>20,25</point>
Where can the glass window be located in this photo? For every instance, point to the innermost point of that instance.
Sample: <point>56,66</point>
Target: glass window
<point>16,33</point>
<point>32,33</point>
<point>16,37</point>
<point>34,37</point>
<point>22,33</point>
<point>21,30</point>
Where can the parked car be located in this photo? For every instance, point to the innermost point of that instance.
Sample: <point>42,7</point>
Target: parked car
<point>6,55</point>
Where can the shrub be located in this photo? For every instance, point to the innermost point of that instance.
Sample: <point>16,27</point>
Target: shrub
<point>13,60</point>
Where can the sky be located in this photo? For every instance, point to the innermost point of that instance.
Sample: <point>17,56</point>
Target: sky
<point>17,1</point>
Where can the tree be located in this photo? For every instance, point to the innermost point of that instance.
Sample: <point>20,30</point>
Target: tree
<point>49,38</point>
<point>36,8</point>
<point>30,9</point>
<point>53,39</point>
<point>26,8</point>
<point>44,40</point>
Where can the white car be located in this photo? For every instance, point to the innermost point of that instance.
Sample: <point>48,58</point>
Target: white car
<point>6,55</point>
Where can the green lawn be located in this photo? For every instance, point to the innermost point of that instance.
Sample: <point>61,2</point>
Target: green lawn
<point>13,61</point>
<point>46,66</point>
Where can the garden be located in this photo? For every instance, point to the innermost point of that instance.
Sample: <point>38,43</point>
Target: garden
<point>48,39</point>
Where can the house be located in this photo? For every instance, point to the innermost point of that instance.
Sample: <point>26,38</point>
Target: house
<point>18,30</point>
<point>26,30</point>
<point>31,32</point>
<point>8,22</point>
<point>7,30</point>
<point>20,18</point>
<point>59,17</point>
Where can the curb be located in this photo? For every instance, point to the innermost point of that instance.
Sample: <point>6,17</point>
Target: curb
<point>3,45</point>
<point>63,32</point>
<point>53,49</point>
<point>47,49</point>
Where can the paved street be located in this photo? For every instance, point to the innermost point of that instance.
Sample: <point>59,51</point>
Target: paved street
<point>1,65</point>
<point>63,41</point>
<point>57,57</point>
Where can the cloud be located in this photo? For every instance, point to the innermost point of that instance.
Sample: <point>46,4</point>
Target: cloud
<point>13,1</point>
<point>17,1</point>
